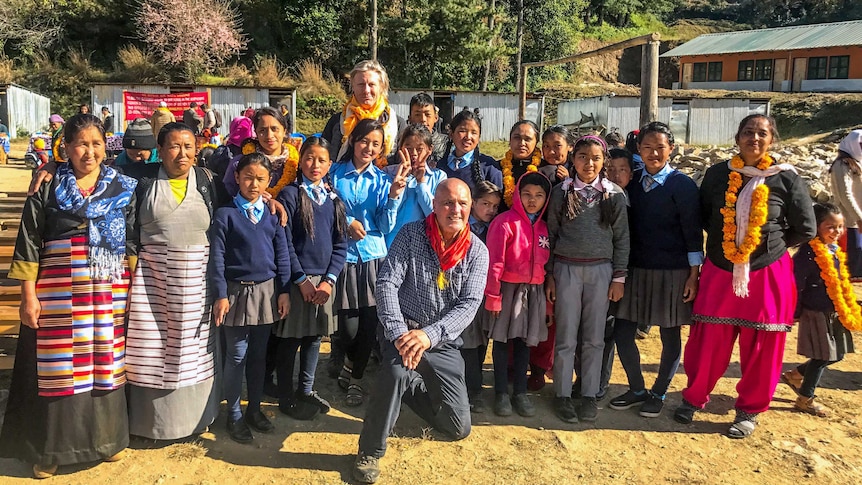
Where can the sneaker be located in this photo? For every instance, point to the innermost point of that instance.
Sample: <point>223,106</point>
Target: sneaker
<point>315,400</point>
<point>628,400</point>
<point>366,468</point>
<point>565,409</point>
<point>502,405</point>
<point>589,409</point>
<point>477,404</point>
<point>239,431</point>
<point>651,408</point>
<point>523,405</point>
<point>684,414</point>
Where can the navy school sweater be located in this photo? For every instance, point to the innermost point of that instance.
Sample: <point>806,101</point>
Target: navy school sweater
<point>327,253</point>
<point>242,251</point>
<point>489,168</point>
<point>664,223</point>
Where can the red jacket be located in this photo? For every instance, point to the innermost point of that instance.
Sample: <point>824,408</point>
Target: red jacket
<point>517,248</point>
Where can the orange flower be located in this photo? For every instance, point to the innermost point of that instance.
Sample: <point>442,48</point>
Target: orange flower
<point>838,285</point>
<point>288,174</point>
<point>757,214</point>
<point>509,179</point>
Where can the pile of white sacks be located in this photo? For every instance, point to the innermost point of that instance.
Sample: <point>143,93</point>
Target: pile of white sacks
<point>811,161</point>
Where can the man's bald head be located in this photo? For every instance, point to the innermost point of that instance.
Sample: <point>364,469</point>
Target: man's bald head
<point>452,204</point>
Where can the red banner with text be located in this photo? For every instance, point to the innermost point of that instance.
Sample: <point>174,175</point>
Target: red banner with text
<point>142,105</point>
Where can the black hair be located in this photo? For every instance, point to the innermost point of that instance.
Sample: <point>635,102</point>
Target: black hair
<point>170,128</point>
<point>360,131</point>
<point>622,153</point>
<point>535,178</point>
<point>484,188</point>
<point>822,210</point>
<point>416,129</point>
<point>567,135</point>
<point>80,122</point>
<point>81,109</point>
<point>524,122</point>
<point>254,159</point>
<point>304,204</point>
<point>269,111</point>
<point>773,128</point>
<point>572,207</point>
<point>655,127</point>
<point>464,116</point>
<point>421,99</point>
<point>614,139</point>
<point>632,142</point>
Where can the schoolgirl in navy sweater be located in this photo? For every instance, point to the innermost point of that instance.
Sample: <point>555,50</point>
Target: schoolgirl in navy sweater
<point>250,264</point>
<point>463,160</point>
<point>317,240</point>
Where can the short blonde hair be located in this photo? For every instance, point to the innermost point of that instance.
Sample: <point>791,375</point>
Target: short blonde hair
<point>370,65</point>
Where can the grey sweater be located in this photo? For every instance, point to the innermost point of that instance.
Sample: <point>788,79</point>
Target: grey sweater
<point>584,238</point>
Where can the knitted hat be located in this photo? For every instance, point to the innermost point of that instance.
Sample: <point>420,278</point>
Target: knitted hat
<point>139,135</point>
<point>56,119</point>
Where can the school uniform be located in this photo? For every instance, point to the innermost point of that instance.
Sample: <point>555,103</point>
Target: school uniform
<point>474,338</point>
<point>550,171</point>
<point>463,168</point>
<point>585,257</point>
<point>250,267</point>
<point>417,199</point>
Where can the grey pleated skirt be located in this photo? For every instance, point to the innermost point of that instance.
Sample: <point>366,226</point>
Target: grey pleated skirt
<point>654,297</point>
<point>522,314</point>
<point>251,304</point>
<point>355,287</point>
<point>306,319</point>
<point>475,335</point>
<point>822,336</point>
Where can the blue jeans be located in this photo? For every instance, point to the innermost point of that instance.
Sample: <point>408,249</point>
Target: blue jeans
<point>246,353</point>
<point>630,357</point>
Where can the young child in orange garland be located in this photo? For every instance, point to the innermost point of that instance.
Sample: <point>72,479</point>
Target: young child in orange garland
<point>826,309</point>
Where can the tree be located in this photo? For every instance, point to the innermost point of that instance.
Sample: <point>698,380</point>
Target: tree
<point>194,44</point>
<point>25,24</point>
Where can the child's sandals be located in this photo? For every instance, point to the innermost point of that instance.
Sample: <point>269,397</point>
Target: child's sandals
<point>807,405</point>
<point>743,426</point>
<point>793,379</point>
<point>355,396</point>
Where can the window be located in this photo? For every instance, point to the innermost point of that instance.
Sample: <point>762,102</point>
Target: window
<point>817,68</point>
<point>763,70</point>
<point>746,71</point>
<point>839,67</point>
<point>714,72</point>
<point>698,74</point>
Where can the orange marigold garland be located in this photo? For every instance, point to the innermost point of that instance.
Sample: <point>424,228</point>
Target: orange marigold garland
<point>838,285</point>
<point>757,215</point>
<point>509,179</point>
<point>288,174</point>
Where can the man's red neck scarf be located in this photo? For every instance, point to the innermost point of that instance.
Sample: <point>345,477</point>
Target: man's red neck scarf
<point>450,255</point>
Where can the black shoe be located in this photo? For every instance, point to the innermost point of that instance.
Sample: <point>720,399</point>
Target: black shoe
<point>684,414</point>
<point>366,469</point>
<point>477,404</point>
<point>302,411</point>
<point>589,409</point>
<point>651,408</point>
<point>628,400</point>
<point>502,405</point>
<point>565,409</point>
<point>258,421</point>
<point>314,399</point>
<point>523,406</point>
<point>239,431</point>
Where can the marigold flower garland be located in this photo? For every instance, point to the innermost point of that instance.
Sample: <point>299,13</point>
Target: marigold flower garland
<point>509,179</point>
<point>758,213</point>
<point>838,288</point>
<point>288,174</point>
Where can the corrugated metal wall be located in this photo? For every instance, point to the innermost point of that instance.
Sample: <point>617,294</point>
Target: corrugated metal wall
<point>624,113</point>
<point>569,112</point>
<point>231,102</point>
<point>25,109</point>
<point>111,95</point>
<point>714,121</point>
<point>399,100</point>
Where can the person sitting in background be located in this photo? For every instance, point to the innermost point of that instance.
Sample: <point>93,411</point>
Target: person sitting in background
<point>161,116</point>
<point>139,144</point>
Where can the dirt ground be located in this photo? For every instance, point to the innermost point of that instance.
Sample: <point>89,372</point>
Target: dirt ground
<point>620,447</point>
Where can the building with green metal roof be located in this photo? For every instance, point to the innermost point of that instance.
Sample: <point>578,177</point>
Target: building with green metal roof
<point>802,58</point>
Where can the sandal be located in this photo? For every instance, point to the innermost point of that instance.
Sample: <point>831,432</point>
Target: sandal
<point>354,395</point>
<point>793,379</point>
<point>117,456</point>
<point>344,377</point>
<point>44,471</point>
<point>743,426</point>
<point>807,405</point>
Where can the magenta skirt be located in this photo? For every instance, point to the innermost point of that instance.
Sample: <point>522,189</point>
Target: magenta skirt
<point>770,303</point>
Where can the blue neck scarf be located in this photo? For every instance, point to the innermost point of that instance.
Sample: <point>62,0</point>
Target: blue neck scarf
<point>106,224</point>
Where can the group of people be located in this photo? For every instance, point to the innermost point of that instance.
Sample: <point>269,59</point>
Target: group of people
<point>150,290</point>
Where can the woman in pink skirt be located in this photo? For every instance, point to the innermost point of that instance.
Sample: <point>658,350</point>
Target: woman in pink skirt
<point>753,210</point>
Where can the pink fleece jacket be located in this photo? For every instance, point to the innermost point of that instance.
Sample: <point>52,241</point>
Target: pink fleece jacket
<point>517,249</point>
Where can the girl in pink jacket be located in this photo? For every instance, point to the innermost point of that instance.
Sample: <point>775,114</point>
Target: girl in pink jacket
<point>518,248</point>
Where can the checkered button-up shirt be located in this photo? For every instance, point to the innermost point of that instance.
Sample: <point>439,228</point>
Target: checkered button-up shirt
<point>407,292</point>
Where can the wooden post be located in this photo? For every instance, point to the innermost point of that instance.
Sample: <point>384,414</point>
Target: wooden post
<point>649,82</point>
<point>372,37</point>
<point>522,91</point>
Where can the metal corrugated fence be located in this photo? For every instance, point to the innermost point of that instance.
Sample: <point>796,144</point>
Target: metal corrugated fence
<point>25,109</point>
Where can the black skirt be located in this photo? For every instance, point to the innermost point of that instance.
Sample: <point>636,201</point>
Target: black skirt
<point>61,430</point>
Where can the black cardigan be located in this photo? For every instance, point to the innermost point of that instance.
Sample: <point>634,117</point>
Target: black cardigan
<point>790,220</point>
